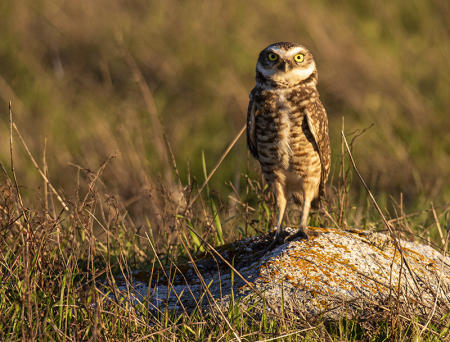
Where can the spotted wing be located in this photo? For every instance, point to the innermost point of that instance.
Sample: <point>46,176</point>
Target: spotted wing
<point>251,131</point>
<point>317,120</point>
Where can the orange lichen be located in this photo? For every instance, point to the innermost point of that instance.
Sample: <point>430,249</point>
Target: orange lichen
<point>328,267</point>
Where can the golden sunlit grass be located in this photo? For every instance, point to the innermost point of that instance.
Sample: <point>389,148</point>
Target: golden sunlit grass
<point>59,267</point>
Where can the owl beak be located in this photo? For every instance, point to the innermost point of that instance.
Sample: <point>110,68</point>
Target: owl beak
<point>283,66</point>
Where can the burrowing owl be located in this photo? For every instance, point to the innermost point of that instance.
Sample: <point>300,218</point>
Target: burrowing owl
<point>287,127</point>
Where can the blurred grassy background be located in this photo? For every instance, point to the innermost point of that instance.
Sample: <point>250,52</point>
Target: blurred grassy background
<point>67,67</point>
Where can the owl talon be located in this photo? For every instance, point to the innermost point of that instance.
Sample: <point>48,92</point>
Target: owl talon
<point>301,233</point>
<point>278,238</point>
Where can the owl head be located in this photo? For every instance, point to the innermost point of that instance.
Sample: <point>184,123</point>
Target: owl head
<point>287,64</point>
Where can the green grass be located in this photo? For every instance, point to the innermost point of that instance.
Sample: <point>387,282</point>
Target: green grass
<point>59,272</point>
<point>127,106</point>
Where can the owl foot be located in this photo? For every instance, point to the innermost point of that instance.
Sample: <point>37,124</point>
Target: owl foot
<point>287,235</point>
<point>301,233</point>
<point>279,238</point>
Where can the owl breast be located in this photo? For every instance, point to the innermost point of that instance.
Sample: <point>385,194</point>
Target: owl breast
<point>286,147</point>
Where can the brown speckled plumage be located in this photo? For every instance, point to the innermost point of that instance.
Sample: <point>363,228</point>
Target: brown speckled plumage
<point>287,127</point>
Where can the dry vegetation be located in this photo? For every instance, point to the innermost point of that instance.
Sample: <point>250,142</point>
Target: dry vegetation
<point>116,100</point>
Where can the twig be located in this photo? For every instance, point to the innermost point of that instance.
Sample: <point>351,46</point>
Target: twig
<point>94,180</point>
<point>228,149</point>
<point>438,287</point>
<point>11,149</point>
<point>44,165</point>
<point>386,223</point>
<point>167,277</point>
<point>206,288</point>
<point>288,334</point>
<point>438,225</point>
<point>327,214</point>
<point>402,316</point>
<point>211,248</point>
<point>342,181</point>
<point>157,128</point>
<point>36,164</point>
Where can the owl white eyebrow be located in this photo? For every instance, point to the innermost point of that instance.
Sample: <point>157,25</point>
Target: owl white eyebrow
<point>295,51</point>
<point>287,53</point>
<point>277,50</point>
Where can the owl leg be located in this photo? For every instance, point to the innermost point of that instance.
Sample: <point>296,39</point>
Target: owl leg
<point>305,213</point>
<point>281,201</point>
<point>306,206</point>
<point>309,195</point>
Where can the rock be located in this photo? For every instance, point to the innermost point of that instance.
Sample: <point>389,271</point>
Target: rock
<point>334,274</point>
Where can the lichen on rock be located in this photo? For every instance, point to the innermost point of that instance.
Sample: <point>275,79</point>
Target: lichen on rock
<point>333,274</point>
<point>357,268</point>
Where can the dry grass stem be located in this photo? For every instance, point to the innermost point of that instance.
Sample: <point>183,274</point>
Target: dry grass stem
<point>224,154</point>
<point>58,196</point>
<point>386,223</point>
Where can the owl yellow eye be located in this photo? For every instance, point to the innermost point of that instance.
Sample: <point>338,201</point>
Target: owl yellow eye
<point>299,58</point>
<point>272,57</point>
